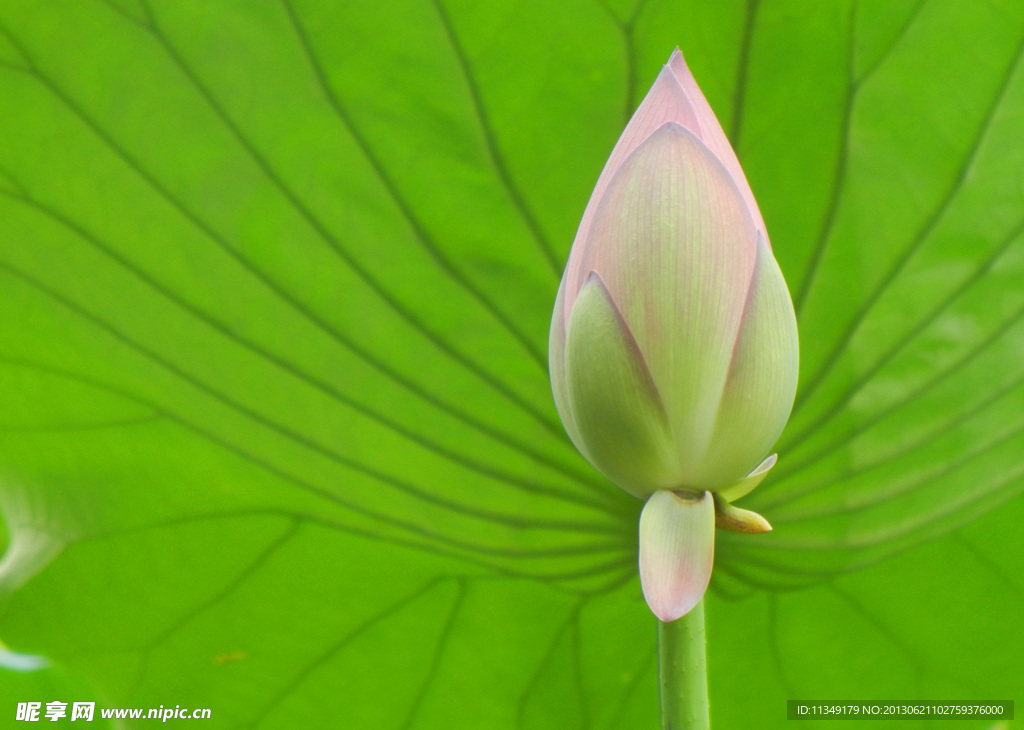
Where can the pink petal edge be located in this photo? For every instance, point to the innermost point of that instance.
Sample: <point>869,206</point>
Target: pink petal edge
<point>677,551</point>
<point>714,136</point>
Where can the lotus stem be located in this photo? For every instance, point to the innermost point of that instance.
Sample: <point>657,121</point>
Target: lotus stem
<point>683,670</point>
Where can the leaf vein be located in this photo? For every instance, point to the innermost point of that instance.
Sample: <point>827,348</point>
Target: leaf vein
<point>313,381</point>
<point>438,654</point>
<point>359,351</point>
<point>422,235</point>
<point>491,142</point>
<point>382,518</point>
<point>834,356</point>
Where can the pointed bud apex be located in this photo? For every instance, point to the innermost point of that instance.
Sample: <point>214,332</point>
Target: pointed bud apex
<point>737,519</point>
<point>677,549</point>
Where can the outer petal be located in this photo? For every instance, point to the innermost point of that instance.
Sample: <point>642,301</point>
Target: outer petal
<point>556,370</point>
<point>614,404</point>
<point>762,379</point>
<point>677,549</point>
<point>674,244</point>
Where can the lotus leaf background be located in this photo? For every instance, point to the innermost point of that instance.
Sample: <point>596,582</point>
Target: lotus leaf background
<point>276,435</point>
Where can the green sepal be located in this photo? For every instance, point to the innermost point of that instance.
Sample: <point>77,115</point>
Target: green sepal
<point>737,519</point>
<point>746,485</point>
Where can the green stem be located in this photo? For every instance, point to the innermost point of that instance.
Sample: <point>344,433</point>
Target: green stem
<point>684,678</point>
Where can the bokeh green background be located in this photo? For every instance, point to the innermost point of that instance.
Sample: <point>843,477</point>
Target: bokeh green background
<point>276,435</point>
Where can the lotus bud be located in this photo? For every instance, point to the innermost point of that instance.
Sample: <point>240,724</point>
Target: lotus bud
<point>673,349</point>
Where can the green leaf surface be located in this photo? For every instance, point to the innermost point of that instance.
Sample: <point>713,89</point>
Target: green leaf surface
<point>277,437</point>
<point>25,680</point>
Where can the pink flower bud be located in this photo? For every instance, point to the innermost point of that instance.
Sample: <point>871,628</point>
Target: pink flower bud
<point>673,350</point>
